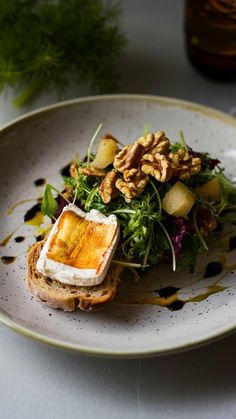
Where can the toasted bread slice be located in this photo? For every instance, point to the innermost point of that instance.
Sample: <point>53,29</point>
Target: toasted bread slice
<point>70,297</point>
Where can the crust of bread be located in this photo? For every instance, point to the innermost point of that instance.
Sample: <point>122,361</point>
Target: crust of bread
<point>69,297</point>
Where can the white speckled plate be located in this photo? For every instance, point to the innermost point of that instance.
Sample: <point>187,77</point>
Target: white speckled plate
<point>41,143</point>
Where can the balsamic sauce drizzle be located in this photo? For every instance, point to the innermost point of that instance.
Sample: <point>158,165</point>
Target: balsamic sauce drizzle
<point>65,171</point>
<point>19,239</point>
<point>39,237</point>
<point>213,269</point>
<point>166,292</point>
<point>8,259</point>
<point>40,182</point>
<point>176,305</point>
<point>30,214</point>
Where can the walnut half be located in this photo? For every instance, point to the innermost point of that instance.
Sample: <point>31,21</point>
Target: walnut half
<point>129,157</point>
<point>92,171</point>
<point>133,183</point>
<point>155,143</point>
<point>107,188</point>
<point>74,170</point>
<point>157,166</point>
<point>184,165</point>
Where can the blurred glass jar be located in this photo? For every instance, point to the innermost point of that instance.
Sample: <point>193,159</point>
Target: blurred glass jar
<point>210,30</point>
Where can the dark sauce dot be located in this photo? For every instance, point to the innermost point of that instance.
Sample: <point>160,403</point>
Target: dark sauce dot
<point>232,243</point>
<point>8,259</point>
<point>39,182</point>
<point>213,269</point>
<point>65,171</point>
<point>30,214</point>
<point>176,305</point>
<point>166,292</point>
<point>19,239</point>
<point>39,238</point>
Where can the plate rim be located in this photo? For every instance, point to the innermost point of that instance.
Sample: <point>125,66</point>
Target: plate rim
<point>163,100</point>
<point>89,351</point>
<point>101,353</point>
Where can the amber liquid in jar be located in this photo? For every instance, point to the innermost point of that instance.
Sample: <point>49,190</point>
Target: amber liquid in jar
<point>210,29</point>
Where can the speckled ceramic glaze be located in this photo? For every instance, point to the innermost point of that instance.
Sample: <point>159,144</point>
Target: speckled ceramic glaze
<point>38,146</point>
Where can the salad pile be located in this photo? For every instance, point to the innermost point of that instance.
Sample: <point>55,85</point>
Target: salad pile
<point>170,200</point>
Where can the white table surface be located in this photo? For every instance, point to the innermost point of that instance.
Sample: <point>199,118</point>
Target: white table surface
<point>40,382</point>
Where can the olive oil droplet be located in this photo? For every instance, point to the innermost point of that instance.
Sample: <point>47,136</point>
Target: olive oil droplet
<point>34,216</point>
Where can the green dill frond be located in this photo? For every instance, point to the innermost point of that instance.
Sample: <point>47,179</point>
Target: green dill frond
<point>49,43</point>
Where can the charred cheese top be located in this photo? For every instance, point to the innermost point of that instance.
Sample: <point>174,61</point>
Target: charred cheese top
<point>79,242</point>
<point>80,247</point>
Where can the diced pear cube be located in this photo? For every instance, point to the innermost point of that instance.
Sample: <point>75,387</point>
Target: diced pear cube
<point>210,190</point>
<point>107,149</point>
<point>179,200</point>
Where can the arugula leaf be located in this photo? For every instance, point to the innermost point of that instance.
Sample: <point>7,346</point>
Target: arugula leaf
<point>49,204</point>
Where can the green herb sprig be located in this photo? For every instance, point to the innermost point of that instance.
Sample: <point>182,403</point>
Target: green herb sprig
<point>49,204</point>
<point>48,44</point>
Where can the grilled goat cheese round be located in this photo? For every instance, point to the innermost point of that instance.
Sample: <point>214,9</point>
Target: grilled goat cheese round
<point>80,247</point>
